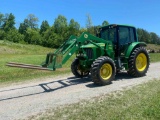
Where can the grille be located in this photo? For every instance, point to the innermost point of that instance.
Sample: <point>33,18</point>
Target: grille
<point>89,52</point>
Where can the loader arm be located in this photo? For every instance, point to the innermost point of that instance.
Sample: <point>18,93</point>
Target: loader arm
<point>73,44</point>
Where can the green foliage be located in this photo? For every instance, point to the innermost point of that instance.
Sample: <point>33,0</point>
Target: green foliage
<point>32,21</point>
<point>143,35</point>
<point>155,39</point>
<point>83,30</point>
<point>44,26</point>
<point>14,36</point>
<point>55,35</point>
<point>89,25</point>
<point>23,26</point>
<point>32,36</point>
<point>74,27</point>
<point>105,23</point>
<point>2,34</point>
<point>9,22</point>
<point>60,24</point>
<point>51,39</point>
<point>90,28</point>
<point>147,37</point>
<point>1,20</point>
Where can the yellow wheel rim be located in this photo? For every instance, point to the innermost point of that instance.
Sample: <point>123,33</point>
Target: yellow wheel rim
<point>106,71</point>
<point>141,62</point>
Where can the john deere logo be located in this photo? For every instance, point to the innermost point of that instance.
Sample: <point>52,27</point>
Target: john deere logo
<point>85,36</point>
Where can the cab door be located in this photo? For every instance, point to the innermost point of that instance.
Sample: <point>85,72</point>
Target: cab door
<point>126,36</point>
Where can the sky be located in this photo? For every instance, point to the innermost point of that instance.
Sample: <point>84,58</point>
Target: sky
<point>139,13</point>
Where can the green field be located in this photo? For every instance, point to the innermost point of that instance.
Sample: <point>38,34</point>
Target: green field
<point>31,54</point>
<point>155,57</point>
<point>142,102</point>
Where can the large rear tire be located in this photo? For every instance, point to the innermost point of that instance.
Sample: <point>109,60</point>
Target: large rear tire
<point>76,70</point>
<point>103,71</point>
<point>138,62</point>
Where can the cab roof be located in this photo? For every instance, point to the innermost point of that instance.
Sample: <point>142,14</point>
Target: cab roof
<point>118,25</point>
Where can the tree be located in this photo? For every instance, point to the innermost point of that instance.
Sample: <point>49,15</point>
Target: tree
<point>143,35</point>
<point>51,39</point>
<point>154,38</point>
<point>140,34</point>
<point>105,23</point>
<point>14,36</point>
<point>73,24</point>
<point>60,24</point>
<point>89,25</point>
<point>61,28</point>
<point>2,34</point>
<point>44,26</point>
<point>33,37</point>
<point>23,26</point>
<point>32,21</point>
<point>146,36</point>
<point>73,27</point>
<point>88,21</point>
<point>1,20</point>
<point>9,22</point>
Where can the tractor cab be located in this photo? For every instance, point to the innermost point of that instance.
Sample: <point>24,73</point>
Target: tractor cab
<point>120,35</point>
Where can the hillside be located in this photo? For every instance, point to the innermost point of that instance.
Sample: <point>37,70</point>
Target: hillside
<point>7,47</point>
<point>23,53</point>
<point>153,47</point>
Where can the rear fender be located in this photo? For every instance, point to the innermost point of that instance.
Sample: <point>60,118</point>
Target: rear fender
<point>132,47</point>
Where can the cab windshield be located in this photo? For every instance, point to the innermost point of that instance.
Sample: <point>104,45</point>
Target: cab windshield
<point>108,34</point>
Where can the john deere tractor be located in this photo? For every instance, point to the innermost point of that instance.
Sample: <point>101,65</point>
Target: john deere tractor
<point>115,48</point>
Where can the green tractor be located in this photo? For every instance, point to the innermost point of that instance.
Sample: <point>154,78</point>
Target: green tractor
<point>115,48</point>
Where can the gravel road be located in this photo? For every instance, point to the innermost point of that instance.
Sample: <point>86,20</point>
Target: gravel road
<point>23,100</point>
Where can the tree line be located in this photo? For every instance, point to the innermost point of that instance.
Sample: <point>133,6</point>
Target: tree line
<point>53,36</point>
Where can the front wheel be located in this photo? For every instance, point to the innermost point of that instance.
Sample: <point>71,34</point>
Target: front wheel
<point>76,69</point>
<point>103,70</point>
<point>138,62</point>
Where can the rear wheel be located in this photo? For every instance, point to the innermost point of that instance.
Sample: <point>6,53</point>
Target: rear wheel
<point>138,62</point>
<point>103,70</point>
<point>76,70</point>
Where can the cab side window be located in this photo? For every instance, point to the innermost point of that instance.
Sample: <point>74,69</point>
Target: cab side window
<point>123,35</point>
<point>132,35</point>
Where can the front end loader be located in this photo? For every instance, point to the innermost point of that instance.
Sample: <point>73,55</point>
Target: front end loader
<point>115,48</point>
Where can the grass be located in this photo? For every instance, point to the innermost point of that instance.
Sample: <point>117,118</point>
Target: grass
<point>7,47</point>
<point>29,54</point>
<point>10,74</point>
<point>139,103</point>
<point>154,57</point>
